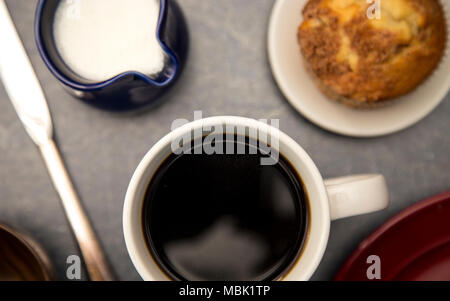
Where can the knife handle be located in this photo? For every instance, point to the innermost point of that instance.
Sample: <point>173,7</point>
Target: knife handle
<point>94,258</point>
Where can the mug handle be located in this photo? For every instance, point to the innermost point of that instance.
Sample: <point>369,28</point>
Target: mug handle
<point>355,195</point>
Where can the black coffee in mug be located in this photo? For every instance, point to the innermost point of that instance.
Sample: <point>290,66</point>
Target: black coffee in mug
<point>225,216</point>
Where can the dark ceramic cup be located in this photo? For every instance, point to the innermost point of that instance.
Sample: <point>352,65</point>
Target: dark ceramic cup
<point>21,258</point>
<point>126,91</point>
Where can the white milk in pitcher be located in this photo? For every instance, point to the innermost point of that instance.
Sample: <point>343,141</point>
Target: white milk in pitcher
<point>99,39</point>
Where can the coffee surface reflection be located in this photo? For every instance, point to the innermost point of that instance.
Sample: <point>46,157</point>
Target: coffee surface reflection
<point>225,217</point>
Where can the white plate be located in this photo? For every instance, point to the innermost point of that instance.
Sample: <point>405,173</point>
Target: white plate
<point>301,91</point>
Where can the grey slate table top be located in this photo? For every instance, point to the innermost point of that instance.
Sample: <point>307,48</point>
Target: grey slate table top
<point>227,74</point>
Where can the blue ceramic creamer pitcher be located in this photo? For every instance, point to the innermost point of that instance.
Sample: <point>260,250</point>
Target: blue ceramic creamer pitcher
<point>128,90</point>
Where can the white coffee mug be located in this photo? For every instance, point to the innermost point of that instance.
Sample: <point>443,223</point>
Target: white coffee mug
<point>327,199</point>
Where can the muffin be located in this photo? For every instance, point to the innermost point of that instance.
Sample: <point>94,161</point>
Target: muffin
<point>363,59</point>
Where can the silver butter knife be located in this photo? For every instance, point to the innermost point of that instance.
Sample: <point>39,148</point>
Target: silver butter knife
<point>24,90</point>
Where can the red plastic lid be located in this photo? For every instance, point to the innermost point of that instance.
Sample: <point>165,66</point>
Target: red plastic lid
<point>412,246</point>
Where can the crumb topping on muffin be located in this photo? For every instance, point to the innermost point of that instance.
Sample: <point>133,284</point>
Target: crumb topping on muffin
<point>372,59</point>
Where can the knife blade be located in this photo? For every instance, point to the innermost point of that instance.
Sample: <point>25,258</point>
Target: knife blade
<point>21,83</point>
